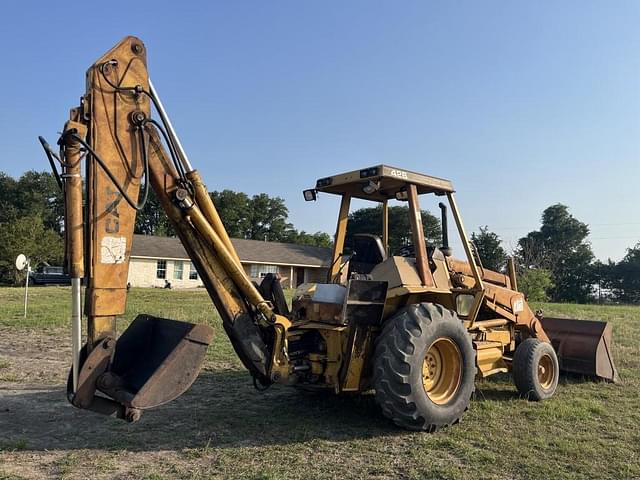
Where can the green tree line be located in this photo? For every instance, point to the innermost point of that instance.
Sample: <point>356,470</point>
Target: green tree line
<point>259,217</point>
<point>554,263</point>
<point>32,221</point>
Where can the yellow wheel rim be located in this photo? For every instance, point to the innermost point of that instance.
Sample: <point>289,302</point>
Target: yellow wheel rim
<point>442,371</point>
<point>546,372</point>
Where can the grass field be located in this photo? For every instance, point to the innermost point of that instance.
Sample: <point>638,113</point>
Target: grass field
<point>224,428</point>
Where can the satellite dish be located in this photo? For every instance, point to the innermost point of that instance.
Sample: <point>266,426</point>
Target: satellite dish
<point>21,262</point>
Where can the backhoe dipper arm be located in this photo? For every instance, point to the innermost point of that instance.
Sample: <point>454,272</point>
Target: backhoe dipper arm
<point>155,359</point>
<point>239,303</point>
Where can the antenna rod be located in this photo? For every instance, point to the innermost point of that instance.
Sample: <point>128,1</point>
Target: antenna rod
<point>26,288</point>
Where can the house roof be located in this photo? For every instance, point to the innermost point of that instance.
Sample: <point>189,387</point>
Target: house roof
<point>249,251</point>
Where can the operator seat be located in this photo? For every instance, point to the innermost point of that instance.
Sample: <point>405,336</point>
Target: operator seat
<point>368,252</point>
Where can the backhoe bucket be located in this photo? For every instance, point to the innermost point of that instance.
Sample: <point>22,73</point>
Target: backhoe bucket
<point>156,360</point>
<point>583,346</point>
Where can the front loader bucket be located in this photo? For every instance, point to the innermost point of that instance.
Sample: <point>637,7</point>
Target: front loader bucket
<point>583,346</point>
<point>156,360</point>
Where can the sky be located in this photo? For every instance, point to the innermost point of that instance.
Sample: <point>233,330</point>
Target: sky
<point>521,104</point>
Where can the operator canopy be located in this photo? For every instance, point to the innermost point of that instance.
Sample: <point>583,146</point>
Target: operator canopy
<point>379,183</point>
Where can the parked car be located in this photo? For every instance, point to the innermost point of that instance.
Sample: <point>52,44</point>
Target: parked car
<point>47,275</point>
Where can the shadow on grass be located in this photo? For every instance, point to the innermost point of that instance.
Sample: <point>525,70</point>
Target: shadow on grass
<point>221,410</point>
<point>500,387</point>
<point>497,387</point>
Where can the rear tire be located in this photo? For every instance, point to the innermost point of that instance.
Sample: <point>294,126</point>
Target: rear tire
<point>424,368</point>
<point>535,369</point>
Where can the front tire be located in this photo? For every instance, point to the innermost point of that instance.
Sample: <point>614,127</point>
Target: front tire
<point>535,369</point>
<point>424,368</point>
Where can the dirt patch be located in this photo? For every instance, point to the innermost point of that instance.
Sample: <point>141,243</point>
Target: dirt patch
<point>220,427</point>
<point>31,356</point>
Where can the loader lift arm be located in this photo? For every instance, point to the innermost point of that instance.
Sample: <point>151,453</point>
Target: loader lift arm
<point>155,360</point>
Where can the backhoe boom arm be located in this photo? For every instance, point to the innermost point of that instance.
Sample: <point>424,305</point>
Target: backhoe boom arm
<point>126,149</point>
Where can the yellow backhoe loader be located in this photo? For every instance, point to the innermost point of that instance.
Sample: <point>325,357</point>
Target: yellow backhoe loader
<point>418,329</point>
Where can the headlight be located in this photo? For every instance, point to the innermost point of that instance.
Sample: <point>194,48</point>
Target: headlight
<point>371,187</point>
<point>369,172</point>
<point>463,304</point>
<point>309,195</point>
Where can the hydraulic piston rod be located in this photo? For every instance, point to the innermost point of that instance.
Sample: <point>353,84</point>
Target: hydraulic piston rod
<point>170,130</point>
<point>74,234</point>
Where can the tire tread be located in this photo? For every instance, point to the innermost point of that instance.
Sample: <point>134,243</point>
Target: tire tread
<point>525,367</point>
<point>394,348</point>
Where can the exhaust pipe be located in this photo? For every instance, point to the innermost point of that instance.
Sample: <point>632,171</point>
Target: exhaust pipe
<point>445,249</point>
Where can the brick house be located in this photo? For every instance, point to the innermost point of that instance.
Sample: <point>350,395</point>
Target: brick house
<point>155,260</point>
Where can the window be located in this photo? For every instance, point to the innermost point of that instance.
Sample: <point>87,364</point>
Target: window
<point>260,271</point>
<point>193,273</point>
<point>161,269</point>
<point>177,270</point>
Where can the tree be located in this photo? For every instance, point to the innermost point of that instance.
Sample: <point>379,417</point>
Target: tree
<point>535,283</point>
<point>369,220</point>
<point>530,253</point>
<point>30,236</point>
<point>604,275</point>
<point>268,219</point>
<point>8,207</point>
<point>489,248</point>
<point>152,220</point>
<point>561,247</point>
<point>38,193</point>
<point>625,276</point>
<point>318,239</point>
<point>34,193</point>
<point>233,208</point>
<point>260,217</point>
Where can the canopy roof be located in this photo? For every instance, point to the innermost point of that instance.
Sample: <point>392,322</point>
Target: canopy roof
<point>388,181</point>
